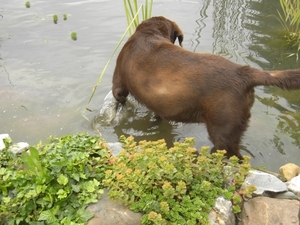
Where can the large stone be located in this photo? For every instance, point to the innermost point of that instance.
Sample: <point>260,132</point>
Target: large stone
<point>115,147</point>
<point>289,171</point>
<point>221,214</point>
<point>294,185</point>
<point>265,183</point>
<point>270,211</point>
<point>19,147</point>
<point>109,212</point>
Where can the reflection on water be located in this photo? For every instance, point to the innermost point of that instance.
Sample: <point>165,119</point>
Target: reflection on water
<point>228,33</point>
<point>201,24</point>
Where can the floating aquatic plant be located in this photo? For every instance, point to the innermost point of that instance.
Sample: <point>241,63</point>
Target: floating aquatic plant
<point>27,4</point>
<point>55,18</point>
<point>74,36</point>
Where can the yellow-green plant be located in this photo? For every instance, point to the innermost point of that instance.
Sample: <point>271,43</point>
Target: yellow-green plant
<point>290,21</point>
<point>174,186</point>
<point>132,14</point>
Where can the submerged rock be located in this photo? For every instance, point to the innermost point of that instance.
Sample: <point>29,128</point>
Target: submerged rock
<point>111,112</point>
<point>108,111</point>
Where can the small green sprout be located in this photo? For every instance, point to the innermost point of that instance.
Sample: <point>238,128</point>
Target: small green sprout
<point>65,16</point>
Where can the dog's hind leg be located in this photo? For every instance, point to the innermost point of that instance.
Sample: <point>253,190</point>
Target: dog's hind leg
<point>226,133</point>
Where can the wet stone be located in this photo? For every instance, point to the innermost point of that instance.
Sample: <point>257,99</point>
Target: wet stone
<point>264,182</point>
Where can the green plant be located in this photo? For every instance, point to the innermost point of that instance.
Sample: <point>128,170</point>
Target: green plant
<point>173,186</point>
<point>131,10</point>
<point>53,182</point>
<point>55,18</point>
<point>74,36</point>
<point>290,21</point>
<point>27,4</point>
<point>65,16</point>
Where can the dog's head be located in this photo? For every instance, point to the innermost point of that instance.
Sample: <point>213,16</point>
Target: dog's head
<point>164,26</point>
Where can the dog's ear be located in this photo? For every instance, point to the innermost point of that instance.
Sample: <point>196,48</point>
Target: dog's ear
<point>177,33</point>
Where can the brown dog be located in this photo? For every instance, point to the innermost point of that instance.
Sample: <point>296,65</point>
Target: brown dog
<point>184,86</point>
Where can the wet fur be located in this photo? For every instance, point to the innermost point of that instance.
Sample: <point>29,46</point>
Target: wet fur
<point>189,87</point>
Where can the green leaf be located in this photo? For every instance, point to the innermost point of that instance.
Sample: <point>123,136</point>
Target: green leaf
<point>62,194</point>
<point>32,162</point>
<point>62,179</point>
<point>84,215</point>
<point>2,171</point>
<point>49,216</point>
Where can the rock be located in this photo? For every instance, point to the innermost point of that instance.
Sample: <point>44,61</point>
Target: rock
<point>289,170</point>
<point>294,185</point>
<point>108,110</point>
<point>265,183</point>
<point>286,195</point>
<point>15,148</point>
<point>2,138</point>
<point>270,211</point>
<point>19,147</point>
<point>221,214</point>
<point>109,212</point>
<point>115,147</point>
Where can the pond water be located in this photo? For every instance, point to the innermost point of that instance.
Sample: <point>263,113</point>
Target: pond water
<point>46,78</point>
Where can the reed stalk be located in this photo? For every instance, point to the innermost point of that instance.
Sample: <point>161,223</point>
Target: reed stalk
<point>132,16</point>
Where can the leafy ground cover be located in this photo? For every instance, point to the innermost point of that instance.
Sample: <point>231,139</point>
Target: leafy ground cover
<point>53,183</point>
<point>175,185</point>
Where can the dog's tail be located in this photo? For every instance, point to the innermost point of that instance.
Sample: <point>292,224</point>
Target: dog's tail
<point>285,79</point>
